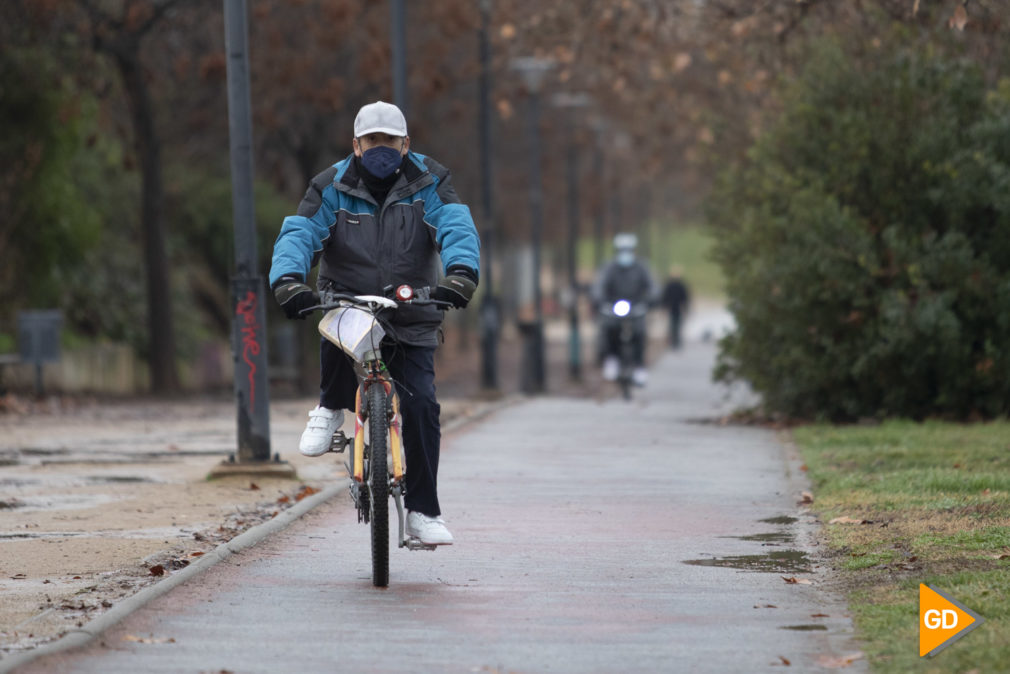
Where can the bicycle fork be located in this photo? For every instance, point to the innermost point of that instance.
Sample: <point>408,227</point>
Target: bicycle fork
<point>396,465</point>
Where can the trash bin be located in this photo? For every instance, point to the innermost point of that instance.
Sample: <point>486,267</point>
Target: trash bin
<point>39,339</point>
<point>531,369</point>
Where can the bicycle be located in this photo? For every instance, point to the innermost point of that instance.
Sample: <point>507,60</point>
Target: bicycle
<point>628,319</point>
<point>376,466</point>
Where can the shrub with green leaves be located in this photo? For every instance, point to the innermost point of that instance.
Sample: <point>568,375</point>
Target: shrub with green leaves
<point>866,243</point>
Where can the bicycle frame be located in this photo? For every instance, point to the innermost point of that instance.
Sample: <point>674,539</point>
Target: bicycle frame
<point>377,469</point>
<point>376,376</point>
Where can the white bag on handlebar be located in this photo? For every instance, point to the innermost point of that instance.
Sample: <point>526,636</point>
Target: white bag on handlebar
<point>354,330</point>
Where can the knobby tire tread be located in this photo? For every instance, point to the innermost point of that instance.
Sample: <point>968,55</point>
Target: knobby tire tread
<point>378,432</point>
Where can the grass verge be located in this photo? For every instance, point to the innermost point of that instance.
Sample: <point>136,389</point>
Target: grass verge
<point>934,502</point>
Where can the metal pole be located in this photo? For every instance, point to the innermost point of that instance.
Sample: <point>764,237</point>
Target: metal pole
<point>574,346</point>
<point>490,309</point>
<point>599,126</point>
<point>536,212</point>
<point>249,344</point>
<point>398,40</point>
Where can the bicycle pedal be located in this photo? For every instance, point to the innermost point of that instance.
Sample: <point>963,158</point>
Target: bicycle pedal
<point>339,442</point>
<point>416,544</point>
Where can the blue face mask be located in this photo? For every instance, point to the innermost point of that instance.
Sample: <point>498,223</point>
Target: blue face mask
<point>625,258</point>
<point>381,161</point>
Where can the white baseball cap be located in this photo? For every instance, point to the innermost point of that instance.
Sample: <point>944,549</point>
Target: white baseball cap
<point>380,117</point>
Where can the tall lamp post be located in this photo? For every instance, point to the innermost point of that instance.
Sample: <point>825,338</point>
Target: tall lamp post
<point>600,129</point>
<point>252,393</point>
<point>532,70</point>
<point>490,313</point>
<point>573,102</point>
<point>398,43</point>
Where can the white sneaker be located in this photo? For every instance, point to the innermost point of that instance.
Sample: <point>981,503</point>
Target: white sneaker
<point>611,367</point>
<point>428,530</point>
<point>639,377</point>
<point>323,423</point>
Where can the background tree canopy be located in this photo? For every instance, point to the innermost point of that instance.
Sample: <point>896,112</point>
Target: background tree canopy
<point>114,177</point>
<point>866,241</point>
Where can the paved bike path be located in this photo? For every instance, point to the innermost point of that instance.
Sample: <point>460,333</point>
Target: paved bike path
<point>574,520</point>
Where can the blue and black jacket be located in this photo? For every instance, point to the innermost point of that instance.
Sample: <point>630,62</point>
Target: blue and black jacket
<point>363,247</point>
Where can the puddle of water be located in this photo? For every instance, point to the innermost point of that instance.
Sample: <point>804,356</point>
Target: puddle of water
<point>17,482</point>
<point>118,479</point>
<point>805,628</point>
<point>63,502</point>
<point>44,451</point>
<point>774,537</point>
<point>8,536</point>
<point>780,561</point>
<point>153,533</point>
<point>781,519</point>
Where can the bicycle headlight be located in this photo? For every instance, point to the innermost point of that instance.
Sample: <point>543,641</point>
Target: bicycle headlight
<point>622,308</point>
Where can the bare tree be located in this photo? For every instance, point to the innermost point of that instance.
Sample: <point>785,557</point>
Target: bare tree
<point>117,31</point>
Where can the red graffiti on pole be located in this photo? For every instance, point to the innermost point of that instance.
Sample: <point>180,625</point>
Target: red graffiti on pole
<point>250,347</point>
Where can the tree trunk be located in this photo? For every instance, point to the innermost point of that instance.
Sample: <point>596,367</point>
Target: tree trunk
<point>161,359</point>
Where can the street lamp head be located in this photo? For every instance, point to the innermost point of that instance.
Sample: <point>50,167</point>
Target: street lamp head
<point>565,99</point>
<point>532,70</point>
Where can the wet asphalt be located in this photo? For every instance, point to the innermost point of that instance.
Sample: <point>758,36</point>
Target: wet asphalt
<point>592,535</point>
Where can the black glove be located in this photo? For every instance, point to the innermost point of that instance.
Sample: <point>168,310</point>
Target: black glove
<point>457,287</point>
<point>294,296</point>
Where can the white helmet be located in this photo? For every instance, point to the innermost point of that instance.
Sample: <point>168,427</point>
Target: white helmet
<point>625,241</point>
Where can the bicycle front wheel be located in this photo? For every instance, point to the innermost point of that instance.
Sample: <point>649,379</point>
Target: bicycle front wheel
<point>378,483</point>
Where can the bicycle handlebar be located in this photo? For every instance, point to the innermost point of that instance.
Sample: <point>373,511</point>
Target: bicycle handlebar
<point>341,299</point>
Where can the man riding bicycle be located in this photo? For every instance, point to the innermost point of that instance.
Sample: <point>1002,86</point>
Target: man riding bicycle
<point>624,278</point>
<point>380,218</point>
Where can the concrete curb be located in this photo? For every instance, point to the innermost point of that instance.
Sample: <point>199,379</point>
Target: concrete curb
<point>82,636</point>
<point>94,628</point>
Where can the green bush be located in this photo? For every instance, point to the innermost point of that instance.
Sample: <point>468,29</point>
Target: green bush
<point>866,243</point>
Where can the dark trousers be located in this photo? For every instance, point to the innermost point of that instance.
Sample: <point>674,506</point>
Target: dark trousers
<point>611,343</point>
<point>675,340</point>
<point>413,371</point>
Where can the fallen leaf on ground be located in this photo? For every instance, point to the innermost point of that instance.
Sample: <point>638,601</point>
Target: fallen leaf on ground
<point>196,554</point>
<point>785,661</point>
<point>766,606</point>
<point>1003,556</point>
<point>157,570</point>
<point>283,499</point>
<point>838,662</point>
<point>845,519</point>
<point>819,615</point>
<point>253,486</point>
<point>793,580</point>
<point>806,498</point>
<point>305,491</point>
<point>149,640</point>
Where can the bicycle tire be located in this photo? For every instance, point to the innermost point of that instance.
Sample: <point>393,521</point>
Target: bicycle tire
<point>378,483</point>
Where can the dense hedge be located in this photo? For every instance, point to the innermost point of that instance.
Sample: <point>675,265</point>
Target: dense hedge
<point>866,243</point>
